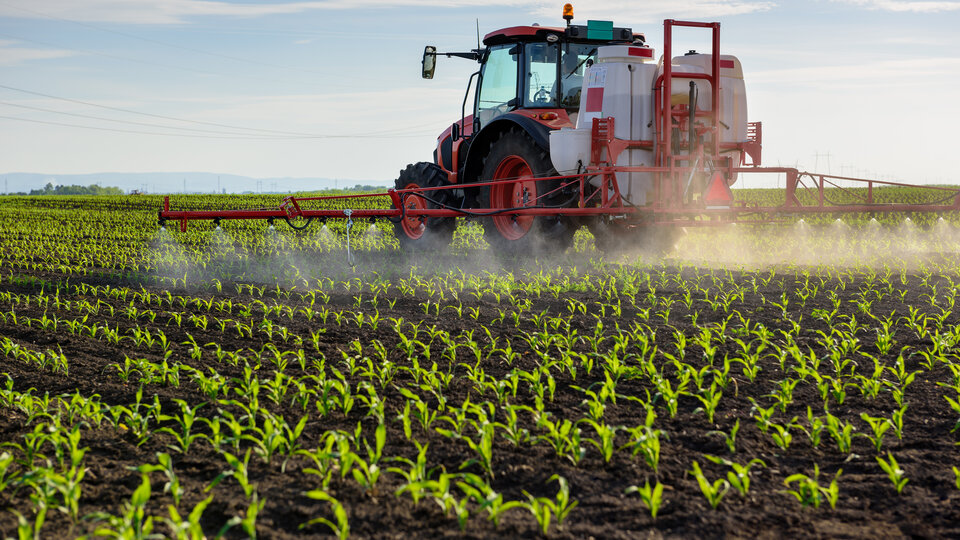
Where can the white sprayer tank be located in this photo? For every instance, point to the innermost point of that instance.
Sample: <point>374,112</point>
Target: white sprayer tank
<point>733,95</point>
<point>618,85</point>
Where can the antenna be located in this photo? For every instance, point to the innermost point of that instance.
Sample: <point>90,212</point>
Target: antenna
<point>478,33</point>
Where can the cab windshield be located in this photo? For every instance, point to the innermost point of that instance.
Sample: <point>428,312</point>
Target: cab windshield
<point>498,83</point>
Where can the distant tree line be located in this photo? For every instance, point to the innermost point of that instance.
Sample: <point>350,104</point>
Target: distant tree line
<point>359,187</point>
<point>92,189</point>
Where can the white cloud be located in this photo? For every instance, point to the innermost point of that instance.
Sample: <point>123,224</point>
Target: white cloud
<point>906,6</point>
<point>10,55</point>
<point>181,11</point>
<point>879,74</point>
<point>656,10</point>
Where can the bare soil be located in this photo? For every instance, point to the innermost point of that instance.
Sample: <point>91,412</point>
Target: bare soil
<point>868,507</point>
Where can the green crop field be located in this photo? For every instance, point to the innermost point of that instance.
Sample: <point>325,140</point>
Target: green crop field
<point>794,380</point>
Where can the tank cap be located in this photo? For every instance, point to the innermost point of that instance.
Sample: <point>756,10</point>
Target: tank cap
<point>690,52</point>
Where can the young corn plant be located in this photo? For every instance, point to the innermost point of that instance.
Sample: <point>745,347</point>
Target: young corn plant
<point>652,497</point>
<point>187,417</point>
<point>560,506</point>
<point>133,522</point>
<point>646,440</point>
<point>483,449</point>
<point>894,472</point>
<point>340,529</point>
<point>878,426</point>
<point>955,405</point>
<point>841,432</point>
<point>563,436</point>
<point>477,490</point>
<point>710,399</point>
<point>190,528</point>
<point>739,475</point>
<point>165,465</point>
<point>417,471</point>
<point>713,492</point>
<point>815,429</point>
<point>730,438</point>
<point>238,471</point>
<point>781,433</point>
<point>809,492</point>
<point>605,438</point>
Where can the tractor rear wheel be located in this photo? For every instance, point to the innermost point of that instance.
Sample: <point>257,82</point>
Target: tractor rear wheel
<point>516,156</point>
<point>417,231</point>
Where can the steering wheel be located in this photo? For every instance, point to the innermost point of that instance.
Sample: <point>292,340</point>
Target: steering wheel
<point>542,97</point>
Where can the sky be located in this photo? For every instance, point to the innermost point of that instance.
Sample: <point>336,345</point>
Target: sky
<point>332,88</point>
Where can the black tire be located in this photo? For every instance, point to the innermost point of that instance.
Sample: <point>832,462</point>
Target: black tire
<point>515,154</point>
<point>429,233</point>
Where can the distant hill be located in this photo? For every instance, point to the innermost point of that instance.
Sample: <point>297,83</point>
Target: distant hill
<point>178,182</point>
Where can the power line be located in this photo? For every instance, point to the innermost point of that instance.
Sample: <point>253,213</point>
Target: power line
<point>79,115</point>
<point>287,134</point>
<point>50,96</point>
<point>244,137</point>
<point>115,130</point>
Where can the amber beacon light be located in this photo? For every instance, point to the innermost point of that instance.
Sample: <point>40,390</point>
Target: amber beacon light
<point>568,13</point>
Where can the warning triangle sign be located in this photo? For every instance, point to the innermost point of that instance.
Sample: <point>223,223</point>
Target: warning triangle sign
<point>718,192</point>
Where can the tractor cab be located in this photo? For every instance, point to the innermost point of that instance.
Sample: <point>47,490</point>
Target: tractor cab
<point>534,67</point>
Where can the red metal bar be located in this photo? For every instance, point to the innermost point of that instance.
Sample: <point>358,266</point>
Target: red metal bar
<point>663,105</point>
<point>609,205</point>
<point>715,88</point>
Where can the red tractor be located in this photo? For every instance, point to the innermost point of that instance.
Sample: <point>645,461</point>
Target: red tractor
<point>581,125</point>
<point>528,84</point>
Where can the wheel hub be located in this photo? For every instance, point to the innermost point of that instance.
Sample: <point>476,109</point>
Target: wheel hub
<point>519,194</point>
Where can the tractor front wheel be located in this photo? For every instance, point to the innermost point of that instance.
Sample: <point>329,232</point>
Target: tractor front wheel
<point>420,232</point>
<point>515,156</point>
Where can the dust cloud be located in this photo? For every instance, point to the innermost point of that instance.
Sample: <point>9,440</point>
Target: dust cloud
<point>309,258</point>
<point>838,243</point>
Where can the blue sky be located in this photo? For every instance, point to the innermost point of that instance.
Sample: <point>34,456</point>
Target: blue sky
<point>331,88</point>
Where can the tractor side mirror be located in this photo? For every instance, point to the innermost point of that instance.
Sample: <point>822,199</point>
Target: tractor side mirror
<point>429,61</point>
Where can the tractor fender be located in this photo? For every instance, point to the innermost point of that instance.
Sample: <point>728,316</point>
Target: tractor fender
<point>480,143</point>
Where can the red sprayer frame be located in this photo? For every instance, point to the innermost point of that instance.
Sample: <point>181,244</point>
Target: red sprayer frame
<point>672,175</point>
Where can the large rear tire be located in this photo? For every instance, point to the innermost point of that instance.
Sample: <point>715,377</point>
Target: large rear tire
<point>417,232</point>
<point>516,156</point>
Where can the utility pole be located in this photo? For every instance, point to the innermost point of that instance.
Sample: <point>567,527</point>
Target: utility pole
<point>816,161</point>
